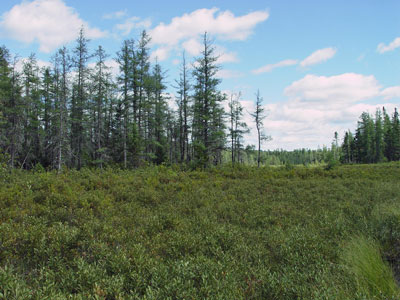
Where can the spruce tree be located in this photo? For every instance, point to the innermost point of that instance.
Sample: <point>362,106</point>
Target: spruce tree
<point>79,100</point>
<point>259,116</point>
<point>396,135</point>
<point>208,127</point>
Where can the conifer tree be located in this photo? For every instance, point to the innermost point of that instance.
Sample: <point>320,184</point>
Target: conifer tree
<point>79,100</point>
<point>101,84</point>
<point>387,136</point>
<point>259,116</point>
<point>208,125</point>
<point>379,137</point>
<point>396,135</point>
<point>183,110</point>
<point>237,127</point>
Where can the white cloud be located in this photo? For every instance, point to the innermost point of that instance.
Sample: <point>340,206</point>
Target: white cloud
<point>317,106</point>
<point>160,54</point>
<point>340,89</point>
<point>192,46</point>
<point>224,56</point>
<point>132,23</point>
<point>382,48</point>
<point>116,15</point>
<point>318,56</point>
<point>391,92</point>
<point>40,63</point>
<point>270,67</point>
<point>49,22</point>
<point>293,126</point>
<point>223,24</point>
<point>225,74</point>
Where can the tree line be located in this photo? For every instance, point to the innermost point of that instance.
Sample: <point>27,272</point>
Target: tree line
<point>76,114</point>
<point>376,139</point>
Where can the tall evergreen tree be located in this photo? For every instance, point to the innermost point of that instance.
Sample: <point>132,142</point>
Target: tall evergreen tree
<point>259,116</point>
<point>379,137</point>
<point>208,115</point>
<point>125,59</point>
<point>237,127</point>
<point>184,110</point>
<point>101,84</point>
<point>79,99</point>
<point>396,135</point>
<point>387,136</point>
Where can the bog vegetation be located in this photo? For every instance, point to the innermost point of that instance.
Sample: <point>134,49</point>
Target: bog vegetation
<point>224,233</point>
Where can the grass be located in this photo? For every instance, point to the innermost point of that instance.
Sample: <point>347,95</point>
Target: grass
<point>227,233</point>
<point>373,275</point>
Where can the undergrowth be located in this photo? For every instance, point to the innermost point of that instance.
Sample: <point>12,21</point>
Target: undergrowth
<point>168,233</point>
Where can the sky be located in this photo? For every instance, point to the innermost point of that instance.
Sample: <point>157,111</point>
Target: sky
<point>317,64</point>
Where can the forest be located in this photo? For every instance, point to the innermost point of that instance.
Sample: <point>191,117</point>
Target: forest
<point>76,114</point>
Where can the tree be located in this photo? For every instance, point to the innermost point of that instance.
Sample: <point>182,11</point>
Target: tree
<point>183,110</point>
<point>237,127</point>
<point>11,106</point>
<point>387,136</point>
<point>348,148</point>
<point>61,90</point>
<point>396,135</point>
<point>208,125</point>
<point>100,83</point>
<point>160,109</point>
<point>31,150</point>
<point>259,116</point>
<point>379,137</point>
<point>79,99</point>
<point>125,59</point>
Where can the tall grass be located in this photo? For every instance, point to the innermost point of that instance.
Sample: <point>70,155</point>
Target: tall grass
<point>374,277</point>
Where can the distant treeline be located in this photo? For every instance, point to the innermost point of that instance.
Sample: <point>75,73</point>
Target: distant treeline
<point>376,139</point>
<point>278,157</point>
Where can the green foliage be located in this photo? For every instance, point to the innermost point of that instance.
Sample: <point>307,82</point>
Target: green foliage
<point>169,233</point>
<point>374,277</point>
<point>375,140</point>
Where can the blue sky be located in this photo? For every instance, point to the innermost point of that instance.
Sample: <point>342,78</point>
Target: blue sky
<point>317,64</point>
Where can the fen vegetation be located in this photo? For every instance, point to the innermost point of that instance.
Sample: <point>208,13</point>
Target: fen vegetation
<point>224,233</point>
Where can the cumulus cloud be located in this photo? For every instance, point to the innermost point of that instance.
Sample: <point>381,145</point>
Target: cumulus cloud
<point>160,54</point>
<point>192,46</point>
<point>340,89</point>
<point>40,63</point>
<point>391,92</point>
<point>187,30</point>
<point>382,48</point>
<point>224,56</point>
<point>293,126</point>
<point>49,22</point>
<point>223,24</point>
<point>132,23</point>
<point>318,56</point>
<point>317,106</point>
<point>270,67</point>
